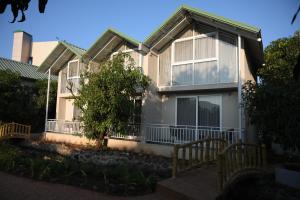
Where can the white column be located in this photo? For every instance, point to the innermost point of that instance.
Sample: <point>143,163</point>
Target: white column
<point>239,85</point>
<point>48,93</point>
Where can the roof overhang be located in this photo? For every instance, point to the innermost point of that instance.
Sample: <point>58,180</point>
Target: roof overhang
<point>59,56</point>
<point>108,42</point>
<point>186,15</point>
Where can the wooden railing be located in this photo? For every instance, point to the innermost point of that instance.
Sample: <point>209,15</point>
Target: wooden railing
<point>14,130</point>
<point>237,158</point>
<point>193,154</point>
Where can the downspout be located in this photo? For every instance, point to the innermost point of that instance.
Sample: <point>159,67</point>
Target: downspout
<point>47,101</point>
<point>240,89</point>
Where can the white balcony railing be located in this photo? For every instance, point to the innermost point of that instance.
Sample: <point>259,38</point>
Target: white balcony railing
<point>64,126</point>
<point>168,134</point>
<point>133,132</point>
<point>66,85</point>
<point>155,133</point>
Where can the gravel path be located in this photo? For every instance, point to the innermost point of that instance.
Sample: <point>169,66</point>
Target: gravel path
<point>19,188</point>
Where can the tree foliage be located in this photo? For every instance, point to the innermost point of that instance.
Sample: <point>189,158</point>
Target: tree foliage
<point>106,96</point>
<point>25,103</point>
<point>273,104</point>
<point>20,5</point>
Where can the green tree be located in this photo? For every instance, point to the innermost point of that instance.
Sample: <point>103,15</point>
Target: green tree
<point>10,96</point>
<point>20,5</point>
<point>25,103</point>
<point>273,104</point>
<point>39,99</point>
<point>105,97</point>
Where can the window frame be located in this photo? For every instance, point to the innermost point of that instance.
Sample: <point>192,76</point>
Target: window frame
<point>220,103</point>
<point>193,61</point>
<point>77,71</point>
<point>140,62</point>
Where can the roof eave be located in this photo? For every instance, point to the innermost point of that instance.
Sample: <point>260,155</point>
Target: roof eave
<point>112,32</point>
<point>234,24</point>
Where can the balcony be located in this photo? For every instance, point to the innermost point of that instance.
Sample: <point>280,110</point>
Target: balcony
<point>73,83</point>
<point>64,126</point>
<point>154,133</point>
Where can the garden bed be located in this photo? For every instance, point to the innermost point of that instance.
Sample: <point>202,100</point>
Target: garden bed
<point>113,172</point>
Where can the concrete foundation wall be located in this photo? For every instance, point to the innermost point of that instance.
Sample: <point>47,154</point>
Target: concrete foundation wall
<point>68,139</point>
<point>128,145</point>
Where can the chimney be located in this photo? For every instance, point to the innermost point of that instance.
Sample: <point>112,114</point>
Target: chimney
<point>22,47</point>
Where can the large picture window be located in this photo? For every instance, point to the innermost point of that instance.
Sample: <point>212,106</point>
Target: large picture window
<point>207,56</point>
<point>200,111</point>
<point>190,58</point>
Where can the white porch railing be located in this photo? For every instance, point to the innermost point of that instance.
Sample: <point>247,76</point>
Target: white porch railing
<point>155,133</point>
<point>168,134</point>
<point>133,132</point>
<point>64,126</point>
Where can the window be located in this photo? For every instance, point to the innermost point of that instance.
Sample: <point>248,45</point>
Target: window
<point>186,111</point>
<point>228,57</point>
<point>135,117</point>
<point>131,52</point>
<point>200,111</point>
<point>209,111</point>
<point>77,113</point>
<point>206,56</point>
<point>70,76</point>
<point>192,59</point>
<point>73,69</point>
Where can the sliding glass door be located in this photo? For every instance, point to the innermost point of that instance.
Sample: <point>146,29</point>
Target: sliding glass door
<point>200,111</point>
<point>186,111</point>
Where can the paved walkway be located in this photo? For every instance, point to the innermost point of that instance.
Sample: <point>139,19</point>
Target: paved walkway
<point>19,188</point>
<point>197,184</point>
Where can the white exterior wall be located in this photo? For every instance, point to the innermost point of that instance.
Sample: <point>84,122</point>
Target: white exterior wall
<point>21,47</point>
<point>40,51</point>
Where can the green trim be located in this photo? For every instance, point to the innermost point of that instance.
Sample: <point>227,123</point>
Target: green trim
<point>208,15</point>
<point>163,24</point>
<point>126,37</point>
<point>79,52</point>
<point>122,35</point>
<point>18,30</point>
<point>75,49</point>
<point>223,19</point>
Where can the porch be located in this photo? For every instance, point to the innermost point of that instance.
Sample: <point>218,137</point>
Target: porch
<point>154,133</point>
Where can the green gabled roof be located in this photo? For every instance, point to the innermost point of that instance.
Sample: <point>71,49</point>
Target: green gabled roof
<point>57,51</point>
<point>75,49</point>
<point>25,70</point>
<point>199,12</point>
<point>126,37</point>
<point>118,33</point>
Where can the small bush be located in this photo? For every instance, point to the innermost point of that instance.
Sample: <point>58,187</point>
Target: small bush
<point>118,180</point>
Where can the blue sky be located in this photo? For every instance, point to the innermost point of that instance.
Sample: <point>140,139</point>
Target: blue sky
<point>82,23</point>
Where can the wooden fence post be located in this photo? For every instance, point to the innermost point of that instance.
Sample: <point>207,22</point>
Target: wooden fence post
<point>264,155</point>
<point>190,156</point>
<point>220,171</point>
<point>175,161</point>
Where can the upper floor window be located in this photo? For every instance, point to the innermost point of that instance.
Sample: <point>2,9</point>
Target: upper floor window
<point>70,76</point>
<point>205,56</point>
<point>73,69</point>
<point>131,52</point>
<point>194,57</point>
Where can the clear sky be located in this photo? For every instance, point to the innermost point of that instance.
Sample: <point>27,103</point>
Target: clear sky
<point>81,22</point>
